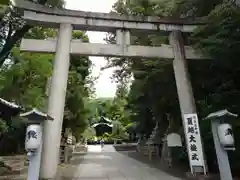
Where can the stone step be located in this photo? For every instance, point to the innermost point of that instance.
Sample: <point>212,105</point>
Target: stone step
<point>14,177</point>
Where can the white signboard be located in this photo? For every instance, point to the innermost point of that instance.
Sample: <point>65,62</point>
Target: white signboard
<point>193,140</point>
<point>174,140</point>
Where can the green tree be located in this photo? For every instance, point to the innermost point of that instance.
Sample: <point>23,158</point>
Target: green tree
<point>153,95</point>
<point>23,80</point>
<point>118,108</point>
<point>219,84</point>
<point>76,110</point>
<point>13,28</point>
<point>89,133</point>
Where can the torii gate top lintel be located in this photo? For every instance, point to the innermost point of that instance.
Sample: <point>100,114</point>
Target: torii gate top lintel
<point>37,14</point>
<point>94,21</point>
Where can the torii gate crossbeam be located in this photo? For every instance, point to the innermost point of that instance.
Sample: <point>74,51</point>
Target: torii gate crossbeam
<point>107,50</point>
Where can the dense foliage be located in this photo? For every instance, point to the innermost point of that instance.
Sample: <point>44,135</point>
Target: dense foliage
<point>215,84</point>
<point>78,91</point>
<point>24,78</point>
<point>113,109</point>
<point>13,27</point>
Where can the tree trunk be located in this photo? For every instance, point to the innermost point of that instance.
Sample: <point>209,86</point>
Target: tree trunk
<point>12,40</point>
<point>173,126</point>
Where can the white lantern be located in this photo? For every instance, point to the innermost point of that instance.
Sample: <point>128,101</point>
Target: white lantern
<point>225,135</point>
<point>33,137</point>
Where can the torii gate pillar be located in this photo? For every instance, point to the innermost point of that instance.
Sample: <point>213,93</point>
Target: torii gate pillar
<point>56,102</point>
<point>187,104</point>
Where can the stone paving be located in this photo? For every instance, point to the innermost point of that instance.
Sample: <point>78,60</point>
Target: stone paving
<point>108,164</point>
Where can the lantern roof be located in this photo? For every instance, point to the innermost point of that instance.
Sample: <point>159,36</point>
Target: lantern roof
<point>102,124</point>
<point>35,116</point>
<point>104,120</point>
<point>221,114</point>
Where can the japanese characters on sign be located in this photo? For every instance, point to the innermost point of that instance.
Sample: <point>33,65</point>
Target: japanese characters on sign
<point>33,137</point>
<point>31,134</point>
<point>193,140</point>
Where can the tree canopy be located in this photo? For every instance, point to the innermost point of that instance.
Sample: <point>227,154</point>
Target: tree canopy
<point>13,27</point>
<point>23,80</point>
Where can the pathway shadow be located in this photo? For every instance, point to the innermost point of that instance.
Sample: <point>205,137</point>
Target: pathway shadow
<point>68,170</point>
<point>177,171</point>
<point>155,163</point>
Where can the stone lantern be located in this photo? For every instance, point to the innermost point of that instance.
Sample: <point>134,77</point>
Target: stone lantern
<point>33,140</point>
<point>223,140</point>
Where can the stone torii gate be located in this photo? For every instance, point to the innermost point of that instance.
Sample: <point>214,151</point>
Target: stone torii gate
<point>68,20</point>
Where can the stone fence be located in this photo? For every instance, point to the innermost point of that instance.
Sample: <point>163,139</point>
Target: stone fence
<point>67,152</point>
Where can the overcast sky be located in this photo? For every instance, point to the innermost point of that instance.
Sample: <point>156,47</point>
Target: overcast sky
<point>104,86</point>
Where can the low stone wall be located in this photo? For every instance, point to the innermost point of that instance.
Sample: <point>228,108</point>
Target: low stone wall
<point>80,148</point>
<point>66,153</point>
<point>126,147</point>
<point>148,150</point>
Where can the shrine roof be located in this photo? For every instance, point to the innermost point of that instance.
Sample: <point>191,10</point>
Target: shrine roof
<point>9,104</point>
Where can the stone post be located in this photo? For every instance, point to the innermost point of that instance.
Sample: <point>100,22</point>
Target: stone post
<point>223,140</point>
<point>56,102</point>
<point>222,155</point>
<point>122,37</point>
